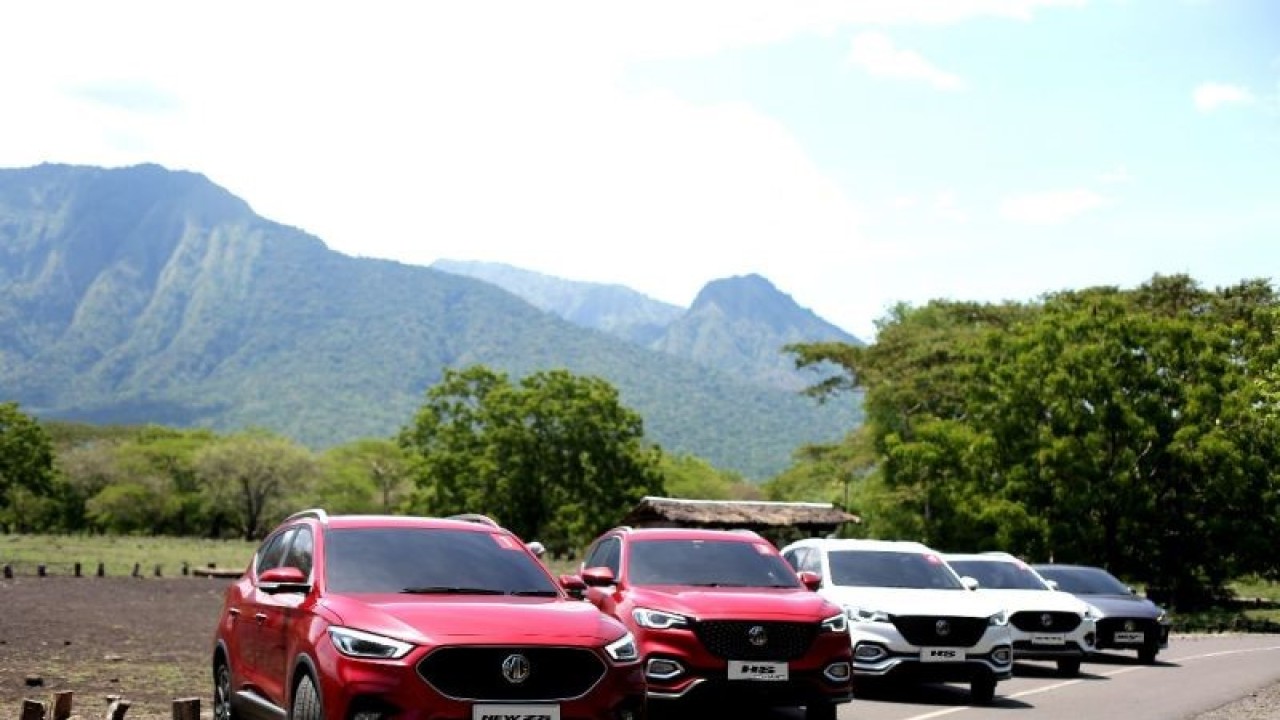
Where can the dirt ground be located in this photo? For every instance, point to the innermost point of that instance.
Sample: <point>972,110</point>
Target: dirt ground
<point>147,640</point>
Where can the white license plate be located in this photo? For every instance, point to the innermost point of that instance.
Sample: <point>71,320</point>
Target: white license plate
<point>494,711</point>
<point>1048,639</point>
<point>941,654</point>
<point>751,670</point>
<point>1130,637</point>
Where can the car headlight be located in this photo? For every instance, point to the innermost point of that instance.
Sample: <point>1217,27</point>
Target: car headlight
<point>356,643</point>
<point>1163,617</point>
<point>658,620</point>
<point>1000,619</point>
<point>836,623</point>
<point>623,649</point>
<point>867,615</point>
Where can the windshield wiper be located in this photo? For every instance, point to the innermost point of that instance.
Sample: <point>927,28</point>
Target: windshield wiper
<point>535,593</point>
<point>720,584</point>
<point>450,590</point>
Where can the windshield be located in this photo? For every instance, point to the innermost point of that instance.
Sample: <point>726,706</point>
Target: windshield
<point>999,574</point>
<point>709,563</point>
<point>1084,580</point>
<point>882,568</point>
<point>431,560</point>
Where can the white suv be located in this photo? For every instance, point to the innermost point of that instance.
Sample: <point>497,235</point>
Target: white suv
<point>1047,624</point>
<point>911,616</point>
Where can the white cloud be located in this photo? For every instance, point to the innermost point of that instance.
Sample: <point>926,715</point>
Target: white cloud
<point>947,206</point>
<point>1117,175</point>
<point>878,56</point>
<point>1211,96</point>
<point>1051,207</point>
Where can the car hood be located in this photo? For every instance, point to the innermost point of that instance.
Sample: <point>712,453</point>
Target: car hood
<point>915,601</point>
<point>478,619</point>
<point>783,604</point>
<point>1035,600</point>
<point>1123,606</point>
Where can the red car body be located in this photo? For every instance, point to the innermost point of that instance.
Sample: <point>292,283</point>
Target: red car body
<point>379,617</point>
<point>720,614</point>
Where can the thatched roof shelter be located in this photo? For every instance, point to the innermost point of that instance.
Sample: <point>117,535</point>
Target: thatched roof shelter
<point>811,518</point>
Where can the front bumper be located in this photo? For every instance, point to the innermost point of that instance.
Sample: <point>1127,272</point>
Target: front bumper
<point>879,650</point>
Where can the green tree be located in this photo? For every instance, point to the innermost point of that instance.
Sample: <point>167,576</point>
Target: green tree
<point>26,469</point>
<point>253,478</point>
<point>555,458</point>
<point>371,475</point>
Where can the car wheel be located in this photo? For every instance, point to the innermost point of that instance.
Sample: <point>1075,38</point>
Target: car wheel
<point>1147,655</point>
<point>982,690</point>
<point>222,707</point>
<point>1069,667</point>
<point>306,701</point>
<point>820,711</point>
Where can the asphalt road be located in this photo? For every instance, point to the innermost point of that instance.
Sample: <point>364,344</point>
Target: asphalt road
<point>1194,675</point>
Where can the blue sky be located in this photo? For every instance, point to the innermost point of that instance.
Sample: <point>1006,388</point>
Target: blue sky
<point>858,153</point>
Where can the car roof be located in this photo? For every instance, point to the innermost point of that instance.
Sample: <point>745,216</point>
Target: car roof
<point>982,557</point>
<point>408,521</point>
<point>642,534</point>
<point>835,544</point>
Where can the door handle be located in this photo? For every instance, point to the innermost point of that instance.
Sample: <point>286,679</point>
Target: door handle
<point>234,612</point>
<point>260,617</point>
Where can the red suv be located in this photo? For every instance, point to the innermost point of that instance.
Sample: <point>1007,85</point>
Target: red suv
<point>719,613</point>
<point>378,617</point>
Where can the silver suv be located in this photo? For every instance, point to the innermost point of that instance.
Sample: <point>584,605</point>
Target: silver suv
<point>911,616</point>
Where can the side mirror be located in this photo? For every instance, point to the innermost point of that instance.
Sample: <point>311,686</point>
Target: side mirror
<point>283,580</point>
<point>810,579</point>
<point>537,548</point>
<point>970,583</point>
<point>598,577</point>
<point>1053,584</point>
<point>574,585</point>
<point>1131,590</point>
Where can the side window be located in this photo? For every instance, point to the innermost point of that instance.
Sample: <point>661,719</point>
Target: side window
<point>793,558</point>
<point>272,552</point>
<point>811,561</point>
<point>612,557</point>
<point>300,551</point>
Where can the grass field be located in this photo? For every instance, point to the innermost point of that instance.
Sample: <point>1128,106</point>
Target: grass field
<point>119,554</point>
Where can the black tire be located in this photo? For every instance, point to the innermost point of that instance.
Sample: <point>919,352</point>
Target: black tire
<point>1069,667</point>
<point>982,690</point>
<point>222,707</point>
<point>1147,655</point>
<point>306,701</point>
<point>820,711</point>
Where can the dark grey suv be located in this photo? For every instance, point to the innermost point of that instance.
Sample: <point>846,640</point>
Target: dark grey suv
<point>1126,620</point>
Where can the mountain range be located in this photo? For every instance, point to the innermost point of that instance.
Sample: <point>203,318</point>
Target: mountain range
<point>142,294</point>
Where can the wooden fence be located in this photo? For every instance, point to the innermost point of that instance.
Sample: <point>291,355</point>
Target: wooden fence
<point>9,572</point>
<point>183,708</point>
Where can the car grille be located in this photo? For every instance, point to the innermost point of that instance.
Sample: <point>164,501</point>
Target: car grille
<point>1108,627</point>
<point>940,631</point>
<point>1034,621</point>
<point>733,639</point>
<point>477,673</point>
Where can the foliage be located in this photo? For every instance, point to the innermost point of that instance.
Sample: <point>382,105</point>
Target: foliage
<point>554,457</point>
<point>365,476</point>
<point>687,476</point>
<point>1131,429</point>
<point>253,478</point>
<point>26,469</point>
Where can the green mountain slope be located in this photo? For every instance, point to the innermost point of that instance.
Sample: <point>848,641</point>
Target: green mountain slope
<point>145,295</point>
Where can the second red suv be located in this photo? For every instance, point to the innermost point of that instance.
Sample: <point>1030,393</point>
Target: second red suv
<point>380,617</point>
<point>720,613</point>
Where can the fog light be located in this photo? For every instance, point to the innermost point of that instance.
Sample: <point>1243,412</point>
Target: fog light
<point>1002,655</point>
<point>869,652</point>
<point>837,672</point>
<point>1090,639</point>
<point>661,669</point>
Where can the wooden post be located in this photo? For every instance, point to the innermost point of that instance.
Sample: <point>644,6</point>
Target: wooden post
<point>157,570</point>
<point>137,570</point>
<point>40,570</point>
<point>116,708</point>
<point>8,571</point>
<point>77,569</point>
<point>62,705</point>
<point>102,569</point>
<point>186,568</point>
<point>32,710</point>
<point>186,708</point>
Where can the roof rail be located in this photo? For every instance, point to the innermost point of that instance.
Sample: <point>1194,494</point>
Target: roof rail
<point>477,518</point>
<point>316,513</point>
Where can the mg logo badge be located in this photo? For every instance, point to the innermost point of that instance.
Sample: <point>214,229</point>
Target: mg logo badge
<point>942,627</point>
<point>1129,626</point>
<point>516,669</point>
<point>1046,620</point>
<point>757,636</point>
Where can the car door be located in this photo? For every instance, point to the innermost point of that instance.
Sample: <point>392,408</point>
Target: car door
<point>258,610</point>
<point>279,612</point>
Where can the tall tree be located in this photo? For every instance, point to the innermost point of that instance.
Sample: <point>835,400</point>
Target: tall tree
<point>26,468</point>
<point>556,457</point>
<point>254,477</point>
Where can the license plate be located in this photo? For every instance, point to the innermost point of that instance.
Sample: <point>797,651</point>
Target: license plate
<point>1048,639</point>
<point>1131,637</point>
<point>760,671</point>
<point>941,654</point>
<point>495,711</point>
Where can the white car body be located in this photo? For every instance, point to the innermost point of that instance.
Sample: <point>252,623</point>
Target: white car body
<point>910,616</point>
<point>1046,624</point>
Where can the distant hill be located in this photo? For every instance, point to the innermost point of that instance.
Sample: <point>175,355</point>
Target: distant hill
<point>737,325</point>
<point>145,295</point>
